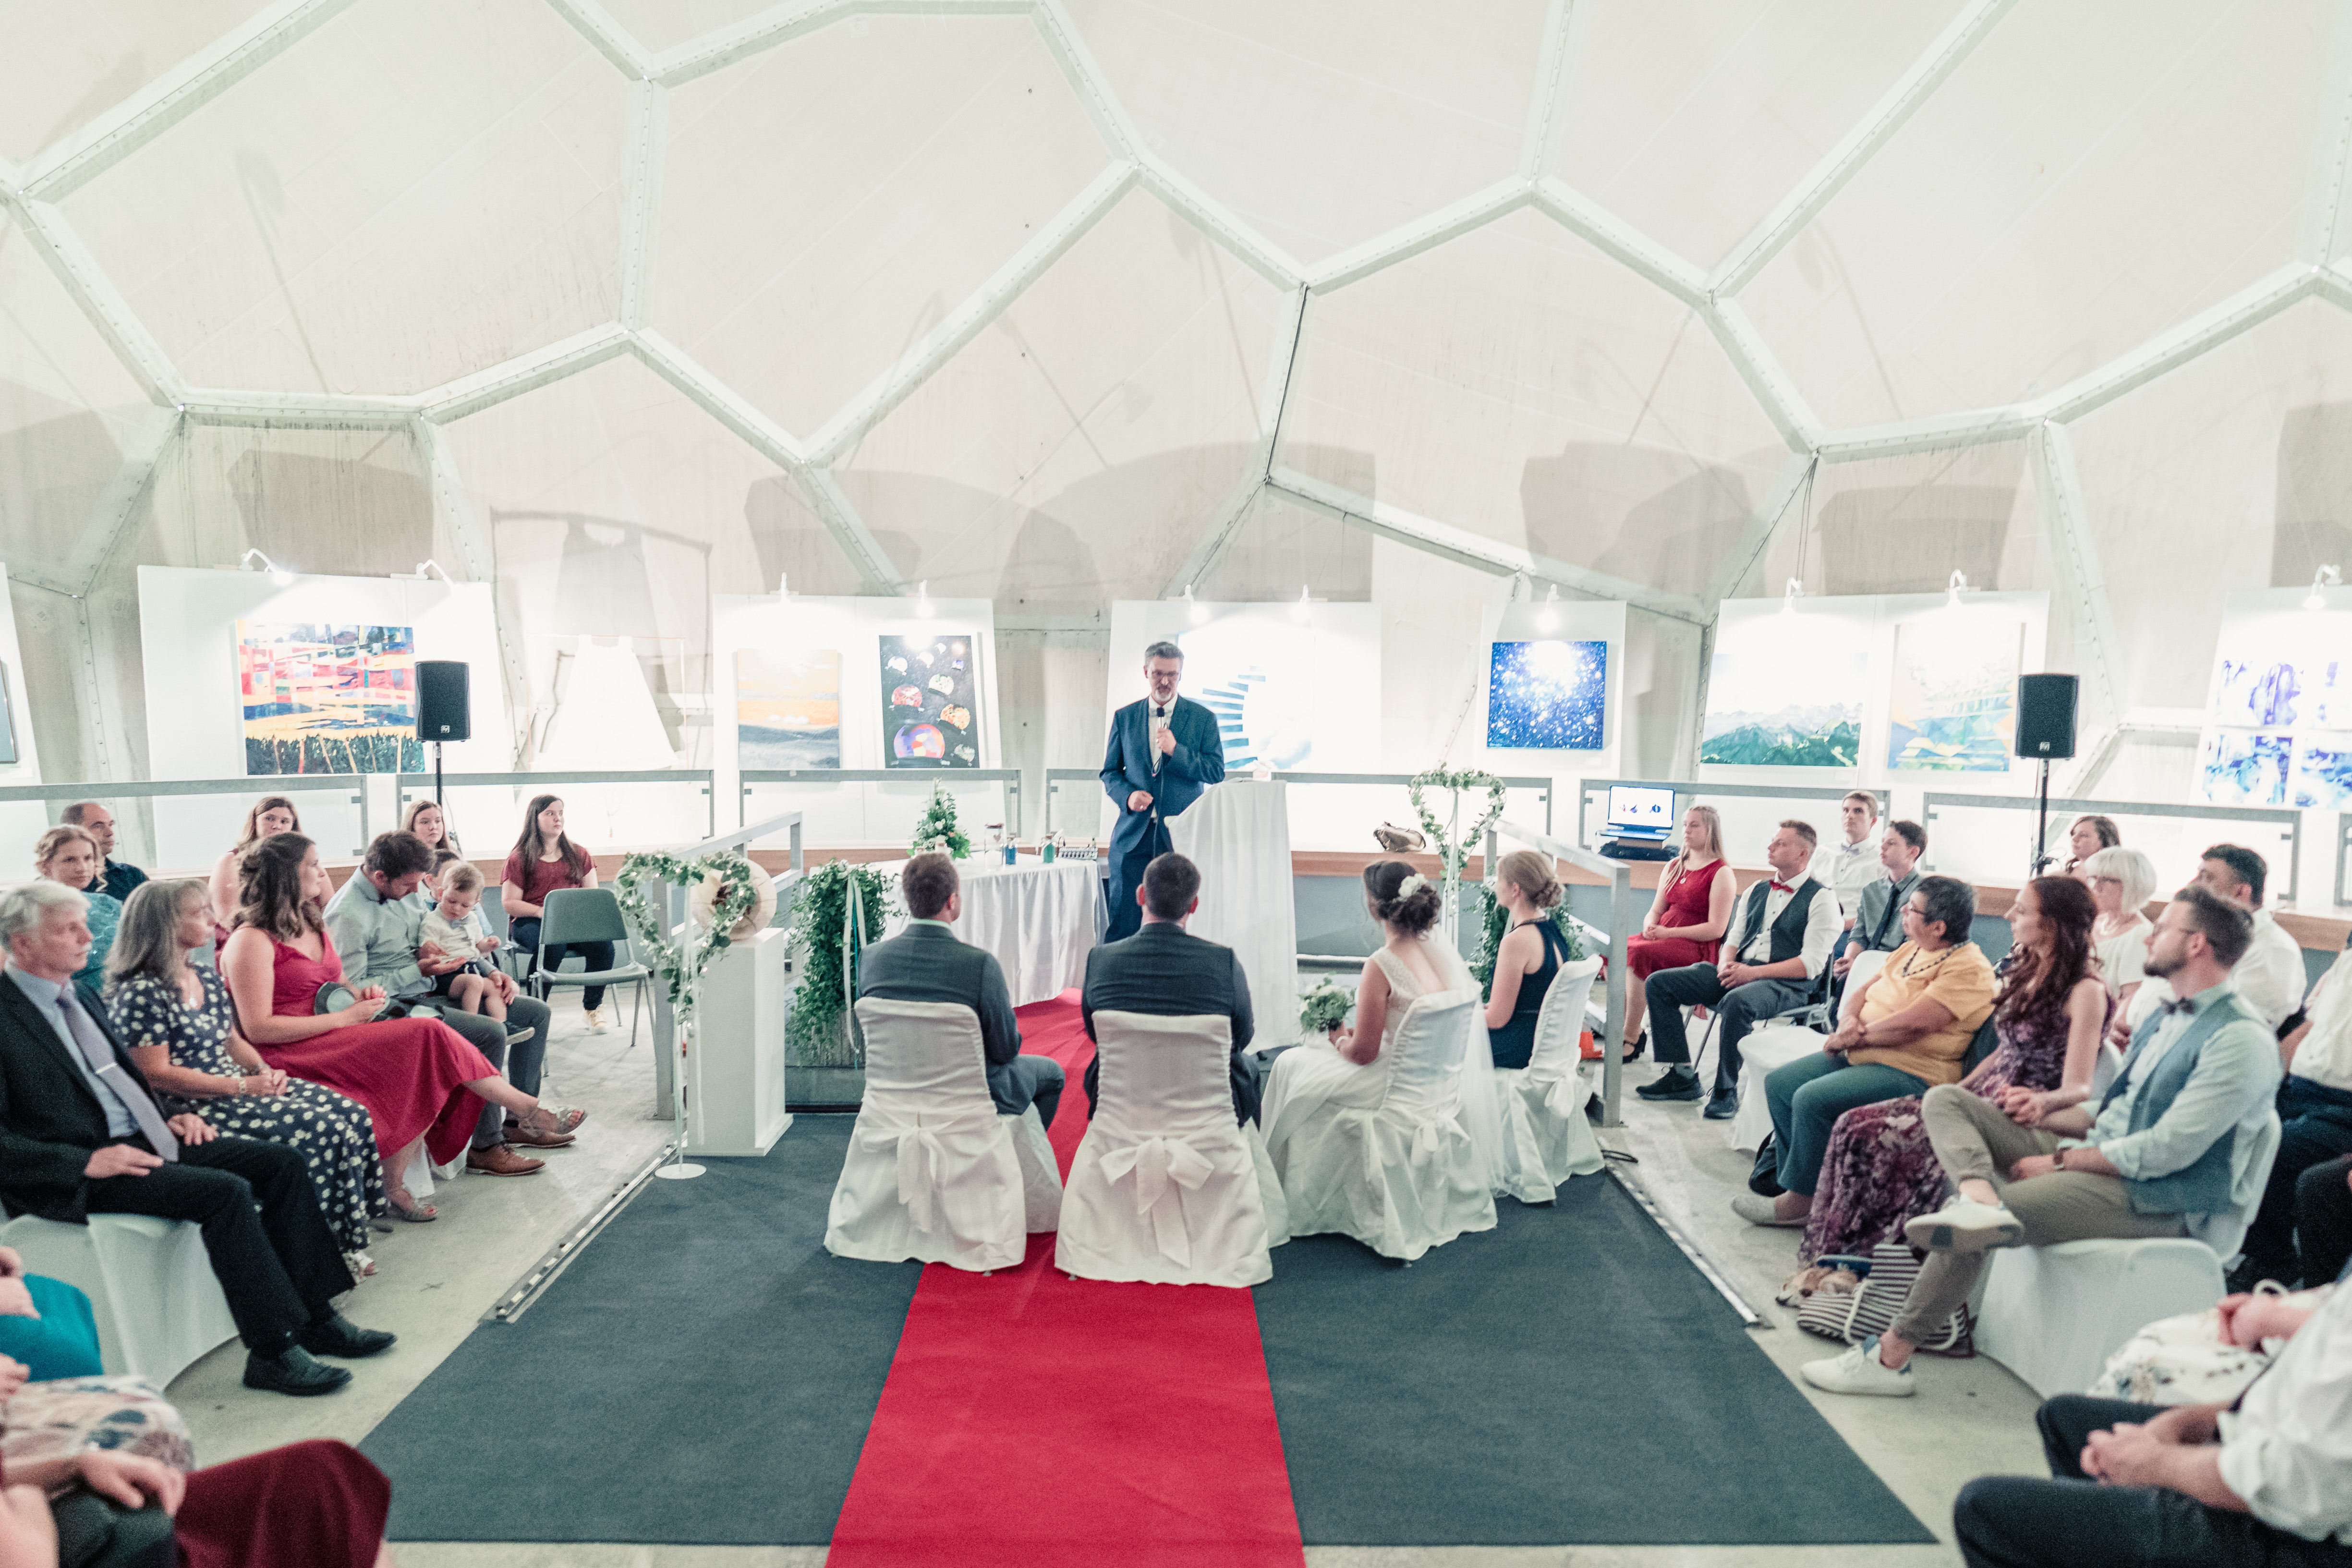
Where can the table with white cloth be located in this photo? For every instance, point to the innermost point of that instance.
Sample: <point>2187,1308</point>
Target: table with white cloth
<point>1038,919</point>
<point>1238,834</point>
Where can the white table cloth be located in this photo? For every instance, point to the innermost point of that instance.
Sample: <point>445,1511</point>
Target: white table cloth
<point>1038,920</point>
<point>1238,833</point>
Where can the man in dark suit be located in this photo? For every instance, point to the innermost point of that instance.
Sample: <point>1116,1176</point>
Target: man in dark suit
<point>1165,970</point>
<point>1164,751</point>
<point>81,1134</point>
<point>925,962</point>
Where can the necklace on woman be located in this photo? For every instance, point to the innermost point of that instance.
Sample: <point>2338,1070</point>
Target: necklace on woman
<point>1911,965</point>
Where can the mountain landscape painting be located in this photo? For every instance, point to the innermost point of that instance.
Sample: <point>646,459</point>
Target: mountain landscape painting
<point>1784,712</point>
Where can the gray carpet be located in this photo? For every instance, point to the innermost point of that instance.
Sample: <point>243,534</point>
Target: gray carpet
<point>1567,1377</point>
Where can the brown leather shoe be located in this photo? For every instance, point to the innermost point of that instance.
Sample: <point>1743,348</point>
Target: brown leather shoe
<point>498,1160</point>
<point>519,1135</point>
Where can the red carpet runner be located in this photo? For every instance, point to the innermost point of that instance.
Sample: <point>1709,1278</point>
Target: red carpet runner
<point>1032,1419</point>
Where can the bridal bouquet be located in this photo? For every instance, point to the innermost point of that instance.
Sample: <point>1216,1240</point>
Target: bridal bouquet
<point>1323,1009</point>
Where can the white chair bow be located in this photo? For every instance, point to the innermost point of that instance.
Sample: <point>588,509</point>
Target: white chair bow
<point>920,1158</point>
<point>1159,1166</point>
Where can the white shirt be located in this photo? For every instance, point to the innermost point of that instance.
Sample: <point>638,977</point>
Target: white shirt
<point>1822,924</point>
<point>2123,960</point>
<point>1846,869</point>
<point>2325,1055</point>
<point>1157,712</point>
<point>2287,1448</point>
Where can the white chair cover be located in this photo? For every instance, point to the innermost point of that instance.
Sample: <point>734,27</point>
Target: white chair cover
<point>1546,1137</point>
<point>1041,1173</point>
<point>1404,1176</point>
<point>149,1283</point>
<point>1776,1046</point>
<point>1164,1188</point>
<point>932,1173</point>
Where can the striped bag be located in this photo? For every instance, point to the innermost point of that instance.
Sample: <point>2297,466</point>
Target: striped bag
<point>1870,1307</point>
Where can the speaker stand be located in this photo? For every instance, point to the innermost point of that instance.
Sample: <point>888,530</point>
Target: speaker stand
<point>436,774</point>
<point>2042,858</point>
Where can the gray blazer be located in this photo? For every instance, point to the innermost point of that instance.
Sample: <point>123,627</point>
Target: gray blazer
<point>1164,970</point>
<point>926,963</point>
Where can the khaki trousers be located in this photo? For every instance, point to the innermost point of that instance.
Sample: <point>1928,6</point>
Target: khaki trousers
<point>1973,1139</point>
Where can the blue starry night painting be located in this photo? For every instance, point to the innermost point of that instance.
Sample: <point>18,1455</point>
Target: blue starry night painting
<point>1548,695</point>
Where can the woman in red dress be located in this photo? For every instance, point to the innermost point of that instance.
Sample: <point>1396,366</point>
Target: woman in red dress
<point>417,1077</point>
<point>1686,920</point>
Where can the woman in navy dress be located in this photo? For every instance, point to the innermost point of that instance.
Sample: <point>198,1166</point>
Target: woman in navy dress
<point>1530,954</point>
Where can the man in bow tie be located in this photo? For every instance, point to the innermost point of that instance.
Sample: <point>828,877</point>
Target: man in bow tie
<point>1163,752</point>
<point>1780,941</point>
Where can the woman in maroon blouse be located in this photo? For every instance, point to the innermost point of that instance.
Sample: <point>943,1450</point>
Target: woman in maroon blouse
<point>542,862</point>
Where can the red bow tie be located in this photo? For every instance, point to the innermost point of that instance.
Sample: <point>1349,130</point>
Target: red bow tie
<point>1782,888</point>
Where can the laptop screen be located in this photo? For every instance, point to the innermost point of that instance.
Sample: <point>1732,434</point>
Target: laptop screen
<point>1641,811</point>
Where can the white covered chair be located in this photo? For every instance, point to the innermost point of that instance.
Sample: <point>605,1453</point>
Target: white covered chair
<point>933,1173</point>
<point>2053,1315</point>
<point>1776,1046</point>
<point>151,1286</point>
<point>1401,1176</point>
<point>1164,1189</point>
<point>1546,1137</point>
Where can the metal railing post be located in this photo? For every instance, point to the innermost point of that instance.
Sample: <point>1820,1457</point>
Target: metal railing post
<point>1612,1065</point>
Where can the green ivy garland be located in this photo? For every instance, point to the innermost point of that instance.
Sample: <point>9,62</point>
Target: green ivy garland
<point>1495,920</point>
<point>680,968</point>
<point>1453,851</point>
<point>826,934</point>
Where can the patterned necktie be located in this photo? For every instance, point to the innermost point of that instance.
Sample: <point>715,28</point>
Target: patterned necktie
<point>101,1056</point>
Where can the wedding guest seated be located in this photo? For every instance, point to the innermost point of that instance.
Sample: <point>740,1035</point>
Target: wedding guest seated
<point>1878,924</point>
<point>46,1325</point>
<point>2086,839</point>
<point>68,856</point>
<point>1852,864</point>
<point>1879,1170</point>
<point>81,1133</point>
<point>925,962</point>
<point>1782,932</point>
<point>1911,1024</point>
<point>1686,919</point>
<point>414,1074</point>
<point>2269,978</point>
<point>2323,1220</point>
<point>2315,1107</point>
<point>1164,970</point>
<point>429,822</point>
<point>2168,1145</point>
<point>174,1019</point>
<point>377,921</point>
<point>271,816</point>
<point>122,879</point>
<point>2122,881</point>
<point>2267,1480</point>
<point>542,862</point>
<point>1528,956</point>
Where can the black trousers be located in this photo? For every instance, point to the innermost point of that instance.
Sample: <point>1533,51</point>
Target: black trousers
<point>2314,1129</point>
<point>2323,1220</point>
<point>1737,1011</point>
<point>1127,866</point>
<point>2016,1522</point>
<point>280,1268</point>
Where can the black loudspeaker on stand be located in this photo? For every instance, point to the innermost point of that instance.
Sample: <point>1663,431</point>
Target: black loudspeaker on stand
<point>444,708</point>
<point>2045,730</point>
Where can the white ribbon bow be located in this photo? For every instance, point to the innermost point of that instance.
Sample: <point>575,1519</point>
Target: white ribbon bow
<point>922,1157</point>
<point>1428,1136</point>
<point>1156,1164</point>
<point>1566,1095</point>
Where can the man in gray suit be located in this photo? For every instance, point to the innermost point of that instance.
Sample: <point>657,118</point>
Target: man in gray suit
<point>1165,970</point>
<point>925,962</point>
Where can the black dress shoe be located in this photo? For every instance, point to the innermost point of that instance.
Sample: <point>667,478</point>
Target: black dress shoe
<point>339,1336</point>
<point>1675,1083</point>
<point>1722,1105</point>
<point>292,1371</point>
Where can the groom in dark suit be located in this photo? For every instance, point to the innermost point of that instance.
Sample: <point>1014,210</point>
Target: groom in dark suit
<point>1165,970</point>
<point>1163,752</point>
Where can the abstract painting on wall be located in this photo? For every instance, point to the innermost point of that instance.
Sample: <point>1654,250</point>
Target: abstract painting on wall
<point>1786,699</point>
<point>787,707</point>
<point>929,702</point>
<point>2323,772</point>
<point>1548,695</point>
<point>328,698</point>
<point>1260,676</point>
<point>2236,768</point>
<point>1953,703</point>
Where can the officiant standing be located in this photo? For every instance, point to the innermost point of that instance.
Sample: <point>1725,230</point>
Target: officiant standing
<point>1163,752</point>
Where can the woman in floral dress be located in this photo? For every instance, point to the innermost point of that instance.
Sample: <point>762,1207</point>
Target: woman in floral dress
<point>2049,1015</point>
<point>177,1023</point>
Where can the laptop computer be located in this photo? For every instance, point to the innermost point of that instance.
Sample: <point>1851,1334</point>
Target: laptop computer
<point>1641,823</point>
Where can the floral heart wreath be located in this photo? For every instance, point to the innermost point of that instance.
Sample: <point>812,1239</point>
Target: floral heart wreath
<point>1464,779</point>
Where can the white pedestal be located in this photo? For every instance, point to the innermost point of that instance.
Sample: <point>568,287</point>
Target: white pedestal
<point>735,1077</point>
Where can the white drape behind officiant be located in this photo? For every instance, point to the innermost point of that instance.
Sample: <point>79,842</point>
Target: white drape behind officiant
<point>1238,834</point>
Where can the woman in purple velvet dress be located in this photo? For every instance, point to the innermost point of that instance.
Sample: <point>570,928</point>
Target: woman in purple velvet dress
<point>2050,1016</point>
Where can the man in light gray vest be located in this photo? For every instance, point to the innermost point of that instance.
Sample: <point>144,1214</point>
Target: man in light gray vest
<point>2167,1147</point>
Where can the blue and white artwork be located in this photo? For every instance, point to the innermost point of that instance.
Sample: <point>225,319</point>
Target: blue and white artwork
<point>1548,696</point>
<point>2323,772</point>
<point>2236,767</point>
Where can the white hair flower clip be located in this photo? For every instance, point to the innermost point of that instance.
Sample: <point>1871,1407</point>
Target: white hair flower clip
<point>1411,885</point>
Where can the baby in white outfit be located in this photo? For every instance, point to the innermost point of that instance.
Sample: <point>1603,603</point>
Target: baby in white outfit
<point>455,931</point>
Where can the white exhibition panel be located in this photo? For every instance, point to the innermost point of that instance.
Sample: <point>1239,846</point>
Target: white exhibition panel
<point>21,822</point>
<point>187,626</point>
<point>1298,682</point>
<point>855,814</point>
<point>1583,620</point>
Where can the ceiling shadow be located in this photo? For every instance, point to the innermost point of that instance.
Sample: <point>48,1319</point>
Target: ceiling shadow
<point>1671,539</point>
<point>1910,539</point>
<point>2315,494</point>
<point>336,515</point>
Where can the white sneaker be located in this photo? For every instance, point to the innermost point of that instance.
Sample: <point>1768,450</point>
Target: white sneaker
<point>1860,1371</point>
<point>1965,1226</point>
<point>594,1018</point>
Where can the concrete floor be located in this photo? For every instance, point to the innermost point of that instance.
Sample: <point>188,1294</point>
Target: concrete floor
<point>1969,1419</point>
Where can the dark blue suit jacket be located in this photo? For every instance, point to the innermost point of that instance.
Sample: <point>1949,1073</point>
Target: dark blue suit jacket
<point>1164,970</point>
<point>1198,760</point>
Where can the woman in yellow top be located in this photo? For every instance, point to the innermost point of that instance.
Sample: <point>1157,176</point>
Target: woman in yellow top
<point>1908,1031</point>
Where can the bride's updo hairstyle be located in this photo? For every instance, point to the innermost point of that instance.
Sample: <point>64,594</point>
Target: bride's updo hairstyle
<point>1412,913</point>
<point>1532,874</point>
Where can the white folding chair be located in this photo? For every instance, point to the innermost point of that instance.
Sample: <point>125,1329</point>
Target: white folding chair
<point>1546,1137</point>
<point>933,1174</point>
<point>1164,1188</point>
<point>1400,1176</point>
<point>1777,1045</point>
<point>151,1286</point>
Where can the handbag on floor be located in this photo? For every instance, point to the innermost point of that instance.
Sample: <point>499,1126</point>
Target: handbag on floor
<point>1870,1307</point>
<point>2185,1360</point>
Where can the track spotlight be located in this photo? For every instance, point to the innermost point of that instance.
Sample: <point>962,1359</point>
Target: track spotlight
<point>2326,577</point>
<point>278,575</point>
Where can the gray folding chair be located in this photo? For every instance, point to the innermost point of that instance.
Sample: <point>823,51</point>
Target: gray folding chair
<point>509,957</point>
<point>590,914</point>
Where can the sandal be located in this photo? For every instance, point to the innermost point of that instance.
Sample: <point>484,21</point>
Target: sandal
<point>556,1121</point>
<point>1636,1046</point>
<point>404,1206</point>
